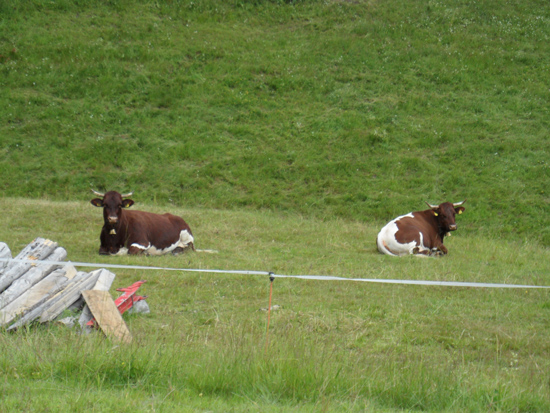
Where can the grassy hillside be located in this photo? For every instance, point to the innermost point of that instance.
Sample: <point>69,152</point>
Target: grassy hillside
<point>285,132</point>
<point>361,110</point>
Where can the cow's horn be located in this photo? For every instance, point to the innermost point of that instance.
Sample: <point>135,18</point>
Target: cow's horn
<point>459,203</point>
<point>98,193</point>
<point>431,206</point>
<point>126,195</point>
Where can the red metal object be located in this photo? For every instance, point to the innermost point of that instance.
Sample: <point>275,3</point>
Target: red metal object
<point>126,300</point>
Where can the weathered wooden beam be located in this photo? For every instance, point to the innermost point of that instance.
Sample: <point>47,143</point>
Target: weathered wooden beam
<point>107,315</point>
<point>37,295</point>
<point>68,296</point>
<point>37,311</point>
<point>104,282</point>
<point>4,253</point>
<point>31,277</point>
<point>27,251</point>
<point>39,250</point>
<point>24,253</point>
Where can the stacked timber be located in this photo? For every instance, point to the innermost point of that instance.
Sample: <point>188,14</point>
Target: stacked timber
<point>35,287</point>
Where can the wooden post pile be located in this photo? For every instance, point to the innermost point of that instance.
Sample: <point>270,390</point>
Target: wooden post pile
<point>40,291</point>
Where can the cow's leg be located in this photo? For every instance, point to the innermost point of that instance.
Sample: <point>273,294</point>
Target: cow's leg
<point>181,250</point>
<point>137,244</point>
<point>421,251</point>
<point>136,249</point>
<point>103,244</point>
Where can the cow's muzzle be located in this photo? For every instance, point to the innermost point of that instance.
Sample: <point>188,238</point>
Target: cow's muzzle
<point>452,227</point>
<point>112,220</point>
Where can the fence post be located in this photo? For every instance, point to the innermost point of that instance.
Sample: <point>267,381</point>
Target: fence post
<point>271,279</point>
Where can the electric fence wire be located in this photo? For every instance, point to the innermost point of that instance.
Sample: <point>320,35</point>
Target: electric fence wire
<point>271,274</point>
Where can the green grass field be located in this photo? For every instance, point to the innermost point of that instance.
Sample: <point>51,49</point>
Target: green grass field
<point>333,346</point>
<point>286,133</point>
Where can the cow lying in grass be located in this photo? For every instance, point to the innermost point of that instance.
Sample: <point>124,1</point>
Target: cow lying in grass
<point>137,232</point>
<point>420,232</point>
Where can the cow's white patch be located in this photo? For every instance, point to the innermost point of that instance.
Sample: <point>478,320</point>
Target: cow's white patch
<point>154,251</point>
<point>141,247</point>
<point>184,241</point>
<point>388,244</point>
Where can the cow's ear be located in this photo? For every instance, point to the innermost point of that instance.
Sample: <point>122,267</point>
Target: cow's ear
<point>126,203</point>
<point>460,210</point>
<point>98,202</point>
<point>436,212</point>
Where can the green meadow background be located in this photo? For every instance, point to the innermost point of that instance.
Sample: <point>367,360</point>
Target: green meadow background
<point>286,133</point>
<point>360,110</point>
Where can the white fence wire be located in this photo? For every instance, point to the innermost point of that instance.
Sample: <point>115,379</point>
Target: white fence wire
<point>273,275</point>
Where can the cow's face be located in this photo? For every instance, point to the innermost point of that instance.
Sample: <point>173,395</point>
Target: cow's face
<point>112,204</point>
<point>445,214</point>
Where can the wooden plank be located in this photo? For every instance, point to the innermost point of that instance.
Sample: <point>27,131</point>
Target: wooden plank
<point>31,277</point>
<point>37,294</point>
<point>104,282</point>
<point>39,250</point>
<point>107,316</point>
<point>68,296</point>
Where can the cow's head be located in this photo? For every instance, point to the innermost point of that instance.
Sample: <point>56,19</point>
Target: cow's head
<point>445,214</point>
<point>112,203</point>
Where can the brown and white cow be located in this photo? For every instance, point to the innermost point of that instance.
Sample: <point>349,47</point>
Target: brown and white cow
<point>420,232</point>
<point>137,232</point>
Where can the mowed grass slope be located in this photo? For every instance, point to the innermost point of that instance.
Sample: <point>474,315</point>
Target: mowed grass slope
<point>286,134</point>
<point>336,346</point>
<point>361,110</point>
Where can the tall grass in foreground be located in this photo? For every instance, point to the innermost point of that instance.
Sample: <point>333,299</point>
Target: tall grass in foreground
<point>293,373</point>
<point>332,345</point>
